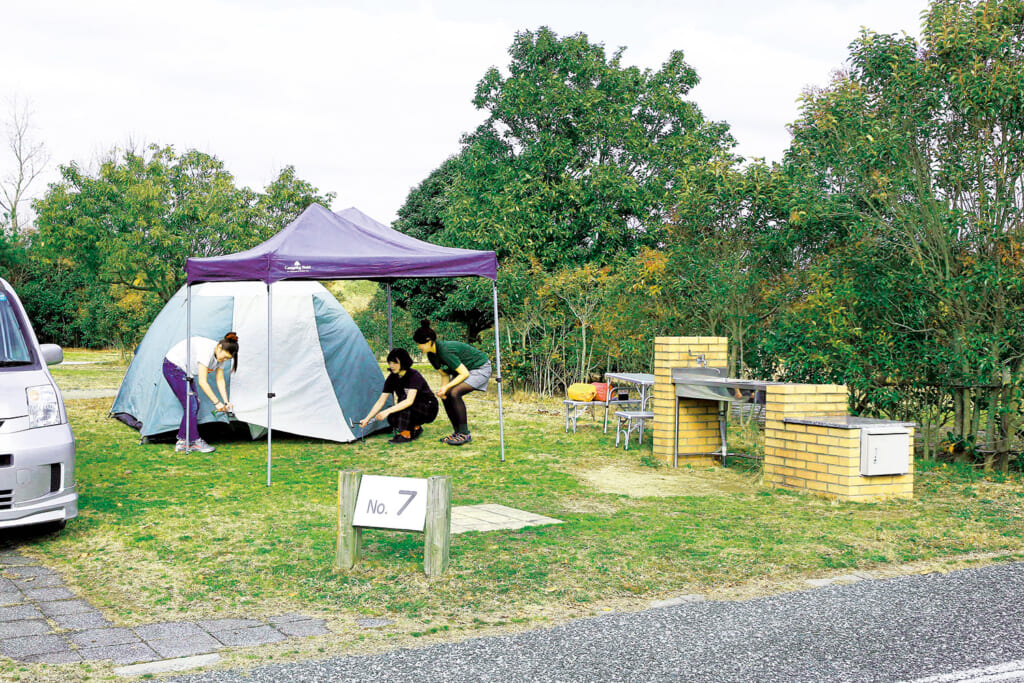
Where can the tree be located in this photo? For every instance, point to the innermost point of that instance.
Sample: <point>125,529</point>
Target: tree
<point>136,221</point>
<point>923,147</point>
<point>573,171</point>
<point>30,159</point>
<point>578,153</point>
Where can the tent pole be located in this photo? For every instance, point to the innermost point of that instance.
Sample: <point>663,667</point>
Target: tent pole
<point>391,341</point>
<point>270,392</point>
<point>188,366</point>
<point>497,358</point>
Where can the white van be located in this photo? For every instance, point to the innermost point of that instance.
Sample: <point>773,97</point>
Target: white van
<point>37,448</point>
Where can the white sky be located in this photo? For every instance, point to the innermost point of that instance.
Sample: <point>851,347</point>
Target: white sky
<point>365,99</point>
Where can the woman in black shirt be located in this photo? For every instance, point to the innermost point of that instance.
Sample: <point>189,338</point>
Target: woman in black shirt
<point>415,404</point>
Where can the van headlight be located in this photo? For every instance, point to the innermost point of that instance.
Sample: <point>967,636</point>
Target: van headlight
<point>43,407</point>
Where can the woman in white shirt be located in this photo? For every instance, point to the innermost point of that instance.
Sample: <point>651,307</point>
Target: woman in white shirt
<point>206,355</point>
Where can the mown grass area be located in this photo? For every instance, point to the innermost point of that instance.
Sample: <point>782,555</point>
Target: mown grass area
<point>168,537</point>
<point>87,369</point>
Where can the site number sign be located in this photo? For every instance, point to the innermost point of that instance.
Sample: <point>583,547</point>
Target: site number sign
<point>391,503</point>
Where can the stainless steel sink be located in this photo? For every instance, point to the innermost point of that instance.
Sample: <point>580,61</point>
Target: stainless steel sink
<point>711,384</point>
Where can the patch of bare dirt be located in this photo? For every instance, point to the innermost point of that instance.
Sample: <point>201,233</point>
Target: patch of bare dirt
<point>642,482</point>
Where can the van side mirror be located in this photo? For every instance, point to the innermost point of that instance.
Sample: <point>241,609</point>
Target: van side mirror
<point>52,354</point>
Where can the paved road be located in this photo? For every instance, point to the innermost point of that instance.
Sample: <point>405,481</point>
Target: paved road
<point>962,626</point>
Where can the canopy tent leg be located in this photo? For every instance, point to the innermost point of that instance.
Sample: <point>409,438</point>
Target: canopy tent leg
<point>391,341</point>
<point>270,390</point>
<point>497,359</point>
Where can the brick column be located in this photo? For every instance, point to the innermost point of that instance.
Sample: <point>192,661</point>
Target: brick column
<point>698,420</point>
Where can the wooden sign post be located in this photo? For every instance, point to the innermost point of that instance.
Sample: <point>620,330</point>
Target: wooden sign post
<point>369,501</point>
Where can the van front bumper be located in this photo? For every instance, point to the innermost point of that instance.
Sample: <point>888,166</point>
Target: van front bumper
<point>32,491</point>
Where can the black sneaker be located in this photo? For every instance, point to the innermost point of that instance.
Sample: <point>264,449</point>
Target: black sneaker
<point>417,432</point>
<point>398,438</point>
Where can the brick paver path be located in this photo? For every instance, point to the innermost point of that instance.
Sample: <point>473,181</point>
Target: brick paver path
<point>41,620</point>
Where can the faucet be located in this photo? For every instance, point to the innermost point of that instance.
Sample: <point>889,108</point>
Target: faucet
<point>701,359</point>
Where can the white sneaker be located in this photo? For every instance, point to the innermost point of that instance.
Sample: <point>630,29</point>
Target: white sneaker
<point>201,446</point>
<point>179,446</point>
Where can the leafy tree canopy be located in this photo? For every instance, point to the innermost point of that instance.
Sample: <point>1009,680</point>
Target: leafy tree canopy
<point>135,221</point>
<point>578,154</point>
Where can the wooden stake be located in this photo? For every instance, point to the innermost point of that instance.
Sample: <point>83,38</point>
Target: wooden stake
<point>349,537</point>
<point>438,527</point>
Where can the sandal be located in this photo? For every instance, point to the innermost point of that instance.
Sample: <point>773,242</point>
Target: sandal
<point>417,432</point>
<point>458,439</point>
<point>446,439</point>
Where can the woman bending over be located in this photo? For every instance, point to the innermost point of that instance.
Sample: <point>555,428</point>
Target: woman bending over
<point>415,404</point>
<point>206,355</point>
<point>463,369</point>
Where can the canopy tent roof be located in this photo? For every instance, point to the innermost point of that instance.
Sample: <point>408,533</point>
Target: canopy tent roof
<point>321,245</point>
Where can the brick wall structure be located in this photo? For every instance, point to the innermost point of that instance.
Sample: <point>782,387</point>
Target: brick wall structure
<point>698,420</point>
<point>822,459</point>
<point>818,458</point>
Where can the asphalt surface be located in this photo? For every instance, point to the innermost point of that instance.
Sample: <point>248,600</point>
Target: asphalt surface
<point>898,629</point>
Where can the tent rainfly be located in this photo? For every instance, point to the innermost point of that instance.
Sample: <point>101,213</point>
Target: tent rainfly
<point>349,245</point>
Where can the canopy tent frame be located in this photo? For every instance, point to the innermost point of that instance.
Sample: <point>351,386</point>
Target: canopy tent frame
<point>272,261</point>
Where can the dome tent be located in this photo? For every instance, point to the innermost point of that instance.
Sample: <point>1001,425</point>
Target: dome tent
<point>324,376</point>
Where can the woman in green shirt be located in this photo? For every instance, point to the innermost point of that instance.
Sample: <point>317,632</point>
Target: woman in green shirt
<point>463,369</point>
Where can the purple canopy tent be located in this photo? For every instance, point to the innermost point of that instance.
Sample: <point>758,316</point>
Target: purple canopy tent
<point>349,245</point>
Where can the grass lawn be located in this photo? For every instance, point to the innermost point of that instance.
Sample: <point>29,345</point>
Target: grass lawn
<point>169,537</point>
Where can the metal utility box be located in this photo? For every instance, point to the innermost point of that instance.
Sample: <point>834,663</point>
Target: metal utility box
<point>884,450</point>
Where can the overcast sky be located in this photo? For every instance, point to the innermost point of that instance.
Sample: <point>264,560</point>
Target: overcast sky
<point>365,99</point>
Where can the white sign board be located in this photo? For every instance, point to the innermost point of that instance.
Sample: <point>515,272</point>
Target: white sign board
<point>391,503</point>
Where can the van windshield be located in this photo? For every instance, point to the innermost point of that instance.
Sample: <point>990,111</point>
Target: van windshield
<point>14,349</point>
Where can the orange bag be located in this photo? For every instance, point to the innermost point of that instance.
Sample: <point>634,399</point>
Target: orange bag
<point>602,389</point>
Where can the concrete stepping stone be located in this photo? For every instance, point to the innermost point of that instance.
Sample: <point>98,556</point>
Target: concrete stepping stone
<point>228,624</point>
<point>64,657</point>
<point>185,647</point>
<point>81,621</point>
<point>303,628</point>
<point>47,594</point>
<point>169,629</point>
<point>242,637</point>
<point>23,627</point>
<point>15,612</point>
<point>20,648</point>
<point>128,653</point>
<point>58,607</point>
<point>22,571</point>
<point>493,517</point>
<point>99,637</point>
<point>11,558</point>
